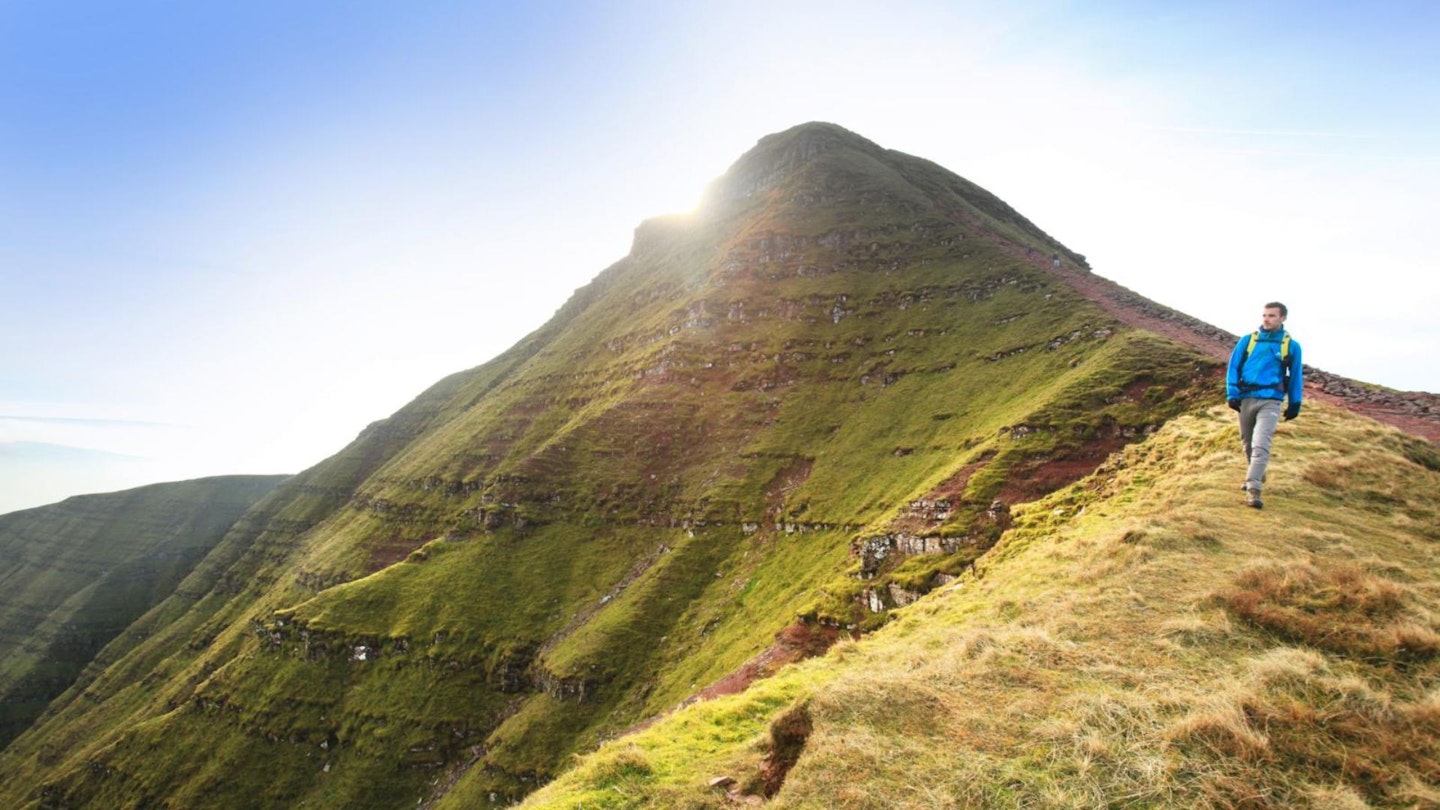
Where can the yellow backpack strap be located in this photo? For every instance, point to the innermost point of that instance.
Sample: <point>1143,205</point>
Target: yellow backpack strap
<point>1284,345</point>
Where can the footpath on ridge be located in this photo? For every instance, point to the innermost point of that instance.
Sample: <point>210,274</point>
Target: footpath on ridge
<point>1415,412</point>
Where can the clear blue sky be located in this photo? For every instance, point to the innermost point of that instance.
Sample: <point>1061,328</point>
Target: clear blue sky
<point>233,234</point>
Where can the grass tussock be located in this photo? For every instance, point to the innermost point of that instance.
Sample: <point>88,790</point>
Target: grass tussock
<point>1198,631</point>
<point>1339,607</point>
<point>1297,725</point>
<point>1222,728</point>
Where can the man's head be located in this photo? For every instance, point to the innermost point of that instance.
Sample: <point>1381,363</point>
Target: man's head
<point>1273,316</point>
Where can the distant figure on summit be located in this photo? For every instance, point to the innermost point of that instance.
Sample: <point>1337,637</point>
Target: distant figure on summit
<point>1264,371</point>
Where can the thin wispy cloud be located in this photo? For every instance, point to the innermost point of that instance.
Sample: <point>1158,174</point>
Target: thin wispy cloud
<point>66,420</point>
<point>1276,133</point>
<point>1306,153</point>
<point>1310,143</point>
<point>41,451</point>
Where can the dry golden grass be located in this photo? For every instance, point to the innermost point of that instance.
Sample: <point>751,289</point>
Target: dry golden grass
<point>1295,720</point>
<point>1140,640</point>
<point>1338,607</point>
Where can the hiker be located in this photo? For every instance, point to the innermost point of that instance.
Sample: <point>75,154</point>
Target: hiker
<point>1264,372</point>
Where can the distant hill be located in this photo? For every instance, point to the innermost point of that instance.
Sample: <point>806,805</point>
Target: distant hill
<point>851,387</point>
<point>75,575</point>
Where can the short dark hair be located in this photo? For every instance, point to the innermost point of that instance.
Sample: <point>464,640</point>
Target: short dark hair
<point>1284,313</point>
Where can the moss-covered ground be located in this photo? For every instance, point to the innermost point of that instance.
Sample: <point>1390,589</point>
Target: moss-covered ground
<point>1139,639</point>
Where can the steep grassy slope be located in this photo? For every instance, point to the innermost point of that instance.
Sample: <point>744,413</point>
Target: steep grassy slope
<point>1138,639</point>
<point>155,665</point>
<point>815,400</point>
<point>76,574</point>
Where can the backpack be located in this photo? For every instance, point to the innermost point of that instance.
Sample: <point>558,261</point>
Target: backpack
<point>1284,357</point>
<point>1284,347</point>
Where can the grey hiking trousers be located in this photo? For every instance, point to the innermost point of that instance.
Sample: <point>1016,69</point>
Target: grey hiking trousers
<point>1258,418</point>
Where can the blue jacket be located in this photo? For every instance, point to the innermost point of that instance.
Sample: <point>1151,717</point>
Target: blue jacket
<point>1262,375</point>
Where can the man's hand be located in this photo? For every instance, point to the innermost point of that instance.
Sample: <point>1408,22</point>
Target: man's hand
<point>1233,403</point>
<point>1292,411</point>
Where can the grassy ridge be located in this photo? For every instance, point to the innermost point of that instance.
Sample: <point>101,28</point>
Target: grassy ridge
<point>738,429</point>
<point>1137,639</point>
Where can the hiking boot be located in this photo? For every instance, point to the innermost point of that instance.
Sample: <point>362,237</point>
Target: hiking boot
<point>1252,499</point>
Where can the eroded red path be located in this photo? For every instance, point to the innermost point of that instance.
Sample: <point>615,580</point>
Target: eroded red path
<point>1415,412</point>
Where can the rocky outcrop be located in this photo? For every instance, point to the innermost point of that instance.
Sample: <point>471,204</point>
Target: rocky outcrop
<point>1416,404</point>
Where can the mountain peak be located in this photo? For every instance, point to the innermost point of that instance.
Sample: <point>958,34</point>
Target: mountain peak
<point>814,136</point>
<point>777,155</point>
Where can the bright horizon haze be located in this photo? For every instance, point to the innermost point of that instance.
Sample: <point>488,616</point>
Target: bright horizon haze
<point>234,234</point>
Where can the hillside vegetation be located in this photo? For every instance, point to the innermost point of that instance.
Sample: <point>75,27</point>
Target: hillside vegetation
<point>74,575</point>
<point>1139,639</point>
<point>826,395</point>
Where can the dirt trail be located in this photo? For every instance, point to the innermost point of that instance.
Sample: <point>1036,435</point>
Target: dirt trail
<point>1415,412</point>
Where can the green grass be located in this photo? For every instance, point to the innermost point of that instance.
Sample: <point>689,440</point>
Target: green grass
<point>76,574</point>
<point>1139,639</point>
<point>538,554</point>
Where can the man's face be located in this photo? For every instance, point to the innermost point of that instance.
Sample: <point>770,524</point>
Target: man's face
<point>1271,319</point>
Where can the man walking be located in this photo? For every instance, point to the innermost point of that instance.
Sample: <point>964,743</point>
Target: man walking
<point>1264,372</point>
